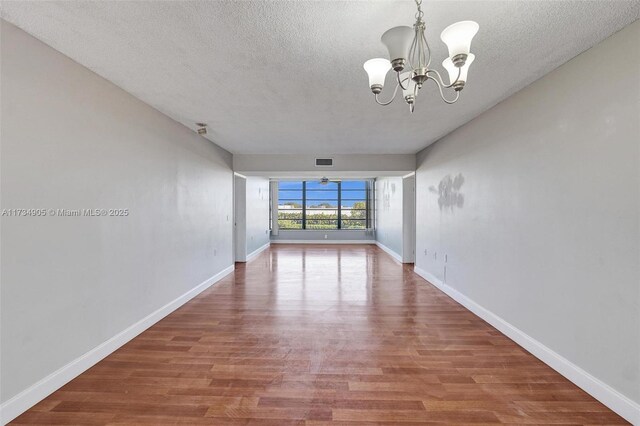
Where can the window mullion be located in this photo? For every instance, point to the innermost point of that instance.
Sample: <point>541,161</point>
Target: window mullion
<point>366,204</point>
<point>304,204</point>
<point>339,205</point>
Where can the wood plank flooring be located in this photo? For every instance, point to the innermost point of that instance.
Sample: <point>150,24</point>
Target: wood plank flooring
<point>320,335</point>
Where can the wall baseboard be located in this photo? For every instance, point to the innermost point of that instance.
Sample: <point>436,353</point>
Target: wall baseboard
<point>257,251</point>
<point>390,252</point>
<point>601,391</point>
<point>26,399</point>
<point>323,242</point>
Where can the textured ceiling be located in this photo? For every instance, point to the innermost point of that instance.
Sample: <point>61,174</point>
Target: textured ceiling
<point>287,77</point>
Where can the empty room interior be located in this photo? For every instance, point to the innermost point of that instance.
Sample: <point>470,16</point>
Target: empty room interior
<point>320,212</point>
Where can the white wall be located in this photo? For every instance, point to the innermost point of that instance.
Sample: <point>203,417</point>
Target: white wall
<point>72,140</point>
<point>536,204</point>
<point>325,235</point>
<point>240,217</point>
<point>257,228</point>
<point>251,216</point>
<point>389,218</point>
<point>408,218</point>
<point>395,216</point>
<point>273,164</point>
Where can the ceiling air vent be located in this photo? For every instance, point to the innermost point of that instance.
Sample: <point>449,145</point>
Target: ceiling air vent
<point>324,162</point>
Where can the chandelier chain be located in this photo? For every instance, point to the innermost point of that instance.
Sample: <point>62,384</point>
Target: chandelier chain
<point>419,13</point>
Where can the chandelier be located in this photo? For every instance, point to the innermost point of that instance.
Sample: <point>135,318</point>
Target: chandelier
<point>409,51</point>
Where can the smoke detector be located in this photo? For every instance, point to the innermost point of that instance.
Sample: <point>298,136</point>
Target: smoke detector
<point>202,128</point>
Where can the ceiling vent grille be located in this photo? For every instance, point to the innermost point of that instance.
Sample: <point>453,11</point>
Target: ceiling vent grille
<point>324,162</point>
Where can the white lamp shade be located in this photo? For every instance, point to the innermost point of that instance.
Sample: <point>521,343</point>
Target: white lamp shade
<point>398,41</point>
<point>377,69</point>
<point>453,70</point>
<point>458,37</point>
<point>409,84</point>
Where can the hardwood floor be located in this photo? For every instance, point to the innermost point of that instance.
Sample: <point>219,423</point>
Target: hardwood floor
<point>317,335</point>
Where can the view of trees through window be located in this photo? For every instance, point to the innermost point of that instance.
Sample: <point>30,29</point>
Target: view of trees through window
<point>312,205</point>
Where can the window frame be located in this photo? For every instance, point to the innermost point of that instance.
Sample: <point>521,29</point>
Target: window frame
<point>339,220</point>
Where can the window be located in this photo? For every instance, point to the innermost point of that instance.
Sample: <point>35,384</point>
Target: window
<point>321,205</point>
<point>354,213</point>
<point>334,205</point>
<point>290,195</point>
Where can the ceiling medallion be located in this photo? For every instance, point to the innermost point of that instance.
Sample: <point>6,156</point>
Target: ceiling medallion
<point>409,52</point>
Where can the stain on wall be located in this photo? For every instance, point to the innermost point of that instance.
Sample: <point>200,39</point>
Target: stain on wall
<point>388,190</point>
<point>448,191</point>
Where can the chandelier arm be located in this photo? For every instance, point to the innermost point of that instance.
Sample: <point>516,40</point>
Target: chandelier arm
<point>426,43</point>
<point>442,93</point>
<point>400,82</point>
<point>422,48</point>
<point>418,48</point>
<point>395,92</point>
<point>412,52</point>
<point>441,82</point>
